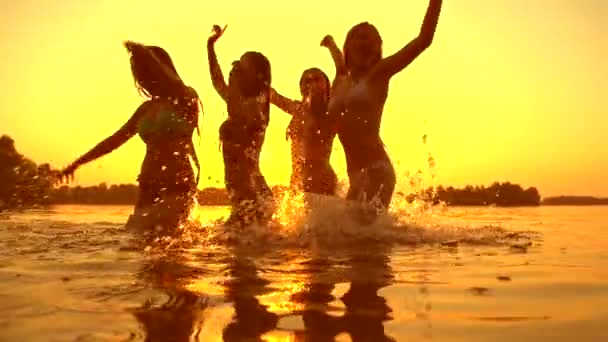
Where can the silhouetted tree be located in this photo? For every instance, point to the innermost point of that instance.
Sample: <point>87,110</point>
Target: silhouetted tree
<point>500,194</point>
<point>22,183</point>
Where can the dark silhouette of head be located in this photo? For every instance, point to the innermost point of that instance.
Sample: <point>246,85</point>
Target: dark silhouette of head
<point>314,87</point>
<point>156,77</point>
<point>362,47</point>
<point>251,74</point>
<point>153,71</point>
<point>314,82</point>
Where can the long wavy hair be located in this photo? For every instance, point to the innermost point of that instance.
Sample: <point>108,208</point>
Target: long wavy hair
<point>156,77</point>
<point>251,81</point>
<point>361,28</point>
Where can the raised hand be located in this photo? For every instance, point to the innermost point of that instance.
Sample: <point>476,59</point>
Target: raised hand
<point>217,32</point>
<point>328,41</point>
<point>132,46</point>
<point>67,175</point>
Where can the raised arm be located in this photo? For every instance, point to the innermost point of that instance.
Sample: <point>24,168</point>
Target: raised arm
<point>393,64</point>
<point>336,54</point>
<point>289,106</point>
<point>109,144</point>
<point>217,77</point>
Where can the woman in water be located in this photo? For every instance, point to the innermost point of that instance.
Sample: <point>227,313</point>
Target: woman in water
<point>165,122</point>
<point>242,135</point>
<point>357,104</point>
<point>310,134</point>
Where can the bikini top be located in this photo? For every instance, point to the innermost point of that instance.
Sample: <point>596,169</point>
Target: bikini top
<point>164,126</point>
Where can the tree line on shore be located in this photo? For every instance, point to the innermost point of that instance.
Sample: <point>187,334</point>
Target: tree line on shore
<point>24,184</point>
<point>499,194</point>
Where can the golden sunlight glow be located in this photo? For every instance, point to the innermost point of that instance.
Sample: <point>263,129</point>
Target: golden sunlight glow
<point>278,336</point>
<point>279,301</point>
<point>510,90</point>
<point>291,208</point>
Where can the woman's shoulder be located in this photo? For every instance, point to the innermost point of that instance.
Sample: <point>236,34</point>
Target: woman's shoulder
<point>153,106</point>
<point>191,92</point>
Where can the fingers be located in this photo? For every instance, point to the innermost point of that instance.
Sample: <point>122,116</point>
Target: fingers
<point>325,40</point>
<point>69,178</point>
<point>131,45</point>
<point>66,176</point>
<point>217,30</point>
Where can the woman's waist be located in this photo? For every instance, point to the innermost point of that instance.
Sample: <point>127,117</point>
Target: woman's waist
<point>165,149</point>
<point>165,170</point>
<point>238,132</point>
<point>156,184</point>
<point>316,156</point>
<point>244,124</point>
<point>362,144</point>
<point>362,156</point>
<point>317,165</point>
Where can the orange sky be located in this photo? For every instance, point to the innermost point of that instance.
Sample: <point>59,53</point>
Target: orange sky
<point>510,90</point>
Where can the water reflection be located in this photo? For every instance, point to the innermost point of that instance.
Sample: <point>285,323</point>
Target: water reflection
<point>180,317</point>
<point>364,310</point>
<point>251,319</point>
<point>330,295</point>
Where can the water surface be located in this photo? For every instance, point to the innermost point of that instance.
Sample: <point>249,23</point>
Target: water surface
<point>72,273</point>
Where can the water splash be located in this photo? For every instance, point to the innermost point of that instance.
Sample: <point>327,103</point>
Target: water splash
<point>308,221</point>
<point>326,222</point>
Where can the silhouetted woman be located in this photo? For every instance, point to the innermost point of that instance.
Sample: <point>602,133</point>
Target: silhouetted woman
<point>310,134</point>
<point>357,104</point>
<point>165,122</point>
<point>242,135</point>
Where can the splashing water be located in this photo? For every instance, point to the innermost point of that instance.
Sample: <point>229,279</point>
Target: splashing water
<point>306,221</point>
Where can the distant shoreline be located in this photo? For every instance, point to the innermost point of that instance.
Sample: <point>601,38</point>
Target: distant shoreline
<point>574,200</point>
<point>25,184</point>
<point>126,194</point>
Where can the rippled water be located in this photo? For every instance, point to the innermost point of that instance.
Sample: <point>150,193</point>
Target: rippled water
<point>73,273</point>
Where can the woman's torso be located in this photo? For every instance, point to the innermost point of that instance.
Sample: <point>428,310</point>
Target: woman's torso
<point>311,137</point>
<point>246,125</point>
<point>357,107</point>
<point>168,138</point>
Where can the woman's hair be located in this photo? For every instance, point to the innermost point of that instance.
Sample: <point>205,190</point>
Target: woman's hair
<point>256,77</point>
<point>155,76</point>
<point>364,27</point>
<point>318,106</point>
<point>250,76</point>
<point>316,72</point>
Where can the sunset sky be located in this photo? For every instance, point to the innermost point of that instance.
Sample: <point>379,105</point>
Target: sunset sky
<point>510,90</point>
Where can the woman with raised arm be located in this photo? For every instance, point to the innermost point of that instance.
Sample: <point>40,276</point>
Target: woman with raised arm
<point>247,95</point>
<point>357,104</point>
<point>338,59</point>
<point>165,122</point>
<point>310,134</point>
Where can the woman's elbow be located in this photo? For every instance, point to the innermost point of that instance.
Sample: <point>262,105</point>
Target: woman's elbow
<point>425,40</point>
